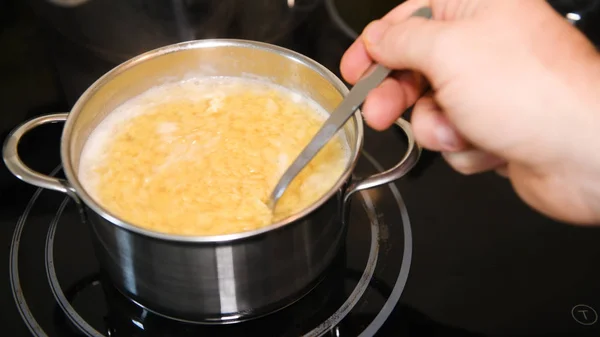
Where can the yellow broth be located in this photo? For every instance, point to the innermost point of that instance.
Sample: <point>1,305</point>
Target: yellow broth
<point>201,157</point>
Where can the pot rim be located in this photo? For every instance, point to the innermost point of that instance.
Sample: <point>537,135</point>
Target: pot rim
<point>77,188</point>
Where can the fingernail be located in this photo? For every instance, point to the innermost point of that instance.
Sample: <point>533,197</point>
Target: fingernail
<point>374,31</point>
<point>447,137</point>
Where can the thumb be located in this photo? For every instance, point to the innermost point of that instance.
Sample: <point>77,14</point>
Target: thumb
<point>410,44</point>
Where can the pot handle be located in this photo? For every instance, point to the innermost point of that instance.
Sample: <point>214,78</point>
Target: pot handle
<point>16,166</point>
<point>410,159</point>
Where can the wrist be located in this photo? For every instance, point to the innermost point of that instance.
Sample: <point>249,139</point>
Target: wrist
<point>568,161</point>
<point>585,141</point>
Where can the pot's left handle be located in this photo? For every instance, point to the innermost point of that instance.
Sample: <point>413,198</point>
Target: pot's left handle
<point>16,166</point>
<point>410,159</point>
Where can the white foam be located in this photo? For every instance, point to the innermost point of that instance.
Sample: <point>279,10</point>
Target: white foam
<point>166,128</point>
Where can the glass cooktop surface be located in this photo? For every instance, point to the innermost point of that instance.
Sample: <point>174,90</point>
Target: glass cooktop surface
<point>435,254</point>
<point>60,290</point>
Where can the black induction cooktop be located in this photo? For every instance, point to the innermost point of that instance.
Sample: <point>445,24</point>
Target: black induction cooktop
<point>436,254</point>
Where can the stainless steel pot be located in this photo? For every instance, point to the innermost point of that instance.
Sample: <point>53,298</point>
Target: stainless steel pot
<point>210,278</point>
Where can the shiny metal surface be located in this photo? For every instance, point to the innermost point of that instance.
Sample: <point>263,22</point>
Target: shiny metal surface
<point>212,278</point>
<point>410,159</point>
<point>216,282</point>
<point>16,166</point>
<point>374,76</point>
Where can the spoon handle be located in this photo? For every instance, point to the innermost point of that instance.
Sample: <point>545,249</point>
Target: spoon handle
<point>336,121</point>
<point>369,81</point>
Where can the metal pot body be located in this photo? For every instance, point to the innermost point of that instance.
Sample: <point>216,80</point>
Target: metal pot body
<point>210,278</point>
<point>219,282</point>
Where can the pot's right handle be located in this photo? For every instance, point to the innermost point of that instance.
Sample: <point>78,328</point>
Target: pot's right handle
<point>410,159</point>
<point>16,166</point>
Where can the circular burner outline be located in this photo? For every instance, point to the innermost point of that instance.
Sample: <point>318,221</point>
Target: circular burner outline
<point>394,297</point>
<point>15,282</point>
<point>365,278</point>
<point>320,330</point>
<point>339,21</point>
<point>324,327</point>
<point>59,295</point>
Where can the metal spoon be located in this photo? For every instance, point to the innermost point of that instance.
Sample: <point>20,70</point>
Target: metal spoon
<point>374,76</point>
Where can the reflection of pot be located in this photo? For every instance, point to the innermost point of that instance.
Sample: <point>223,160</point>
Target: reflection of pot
<point>351,17</point>
<point>124,318</point>
<point>117,30</point>
<point>210,278</point>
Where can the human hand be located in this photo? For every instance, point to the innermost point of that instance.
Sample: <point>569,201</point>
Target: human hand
<point>513,90</point>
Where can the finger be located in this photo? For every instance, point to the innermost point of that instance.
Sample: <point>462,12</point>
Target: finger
<point>473,161</point>
<point>433,130</point>
<point>391,98</point>
<point>406,45</point>
<point>356,60</point>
